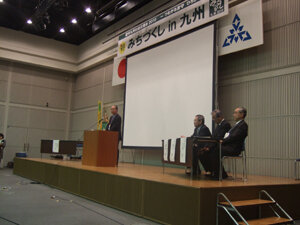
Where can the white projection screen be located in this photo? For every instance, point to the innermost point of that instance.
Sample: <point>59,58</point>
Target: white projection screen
<point>166,86</point>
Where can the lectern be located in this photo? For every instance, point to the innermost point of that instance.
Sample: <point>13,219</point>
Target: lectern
<point>100,148</point>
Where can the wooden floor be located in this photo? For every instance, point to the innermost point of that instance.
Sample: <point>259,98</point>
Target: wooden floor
<point>171,175</point>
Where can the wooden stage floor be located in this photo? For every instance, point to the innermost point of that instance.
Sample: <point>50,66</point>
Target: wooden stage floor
<point>171,175</point>
<point>170,197</point>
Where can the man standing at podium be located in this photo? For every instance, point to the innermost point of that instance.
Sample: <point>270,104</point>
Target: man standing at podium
<point>114,123</point>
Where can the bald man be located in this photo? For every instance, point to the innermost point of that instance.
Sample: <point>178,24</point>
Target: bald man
<point>114,123</point>
<point>233,142</point>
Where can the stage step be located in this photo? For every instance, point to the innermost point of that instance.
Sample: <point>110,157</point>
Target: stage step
<point>268,221</point>
<point>251,202</point>
<point>232,210</point>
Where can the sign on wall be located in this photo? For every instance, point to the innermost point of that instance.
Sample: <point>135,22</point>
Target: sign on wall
<point>178,19</point>
<point>242,28</point>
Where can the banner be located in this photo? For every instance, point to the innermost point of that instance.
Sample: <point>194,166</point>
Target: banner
<point>99,123</point>
<point>242,28</point>
<point>178,19</point>
<point>119,71</point>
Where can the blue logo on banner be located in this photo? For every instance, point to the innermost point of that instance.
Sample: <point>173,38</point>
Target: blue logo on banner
<point>237,32</point>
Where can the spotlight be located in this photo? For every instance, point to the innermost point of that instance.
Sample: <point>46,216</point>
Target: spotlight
<point>62,30</point>
<point>101,21</point>
<point>1,1</point>
<point>122,4</point>
<point>88,10</point>
<point>29,21</point>
<point>74,21</point>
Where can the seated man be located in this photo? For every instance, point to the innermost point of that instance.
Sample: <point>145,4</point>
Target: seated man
<point>222,127</point>
<point>233,142</point>
<point>201,130</point>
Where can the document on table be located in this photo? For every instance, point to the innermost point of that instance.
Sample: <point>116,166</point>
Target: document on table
<point>166,150</point>
<point>182,150</point>
<point>55,146</point>
<point>172,150</point>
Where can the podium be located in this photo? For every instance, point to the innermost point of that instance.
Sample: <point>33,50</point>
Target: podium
<point>100,148</point>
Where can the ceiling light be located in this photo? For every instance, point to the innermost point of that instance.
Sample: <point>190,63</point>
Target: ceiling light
<point>88,10</point>
<point>1,1</point>
<point>122,5</point>
<point>29,21</point>
<point>62,30</point>
<point>74,21</point>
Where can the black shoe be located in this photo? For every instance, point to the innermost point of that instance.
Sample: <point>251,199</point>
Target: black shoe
<point>209,175</point>
<point>196,171</point>
<point>216,176</point>
<point>224,175</point>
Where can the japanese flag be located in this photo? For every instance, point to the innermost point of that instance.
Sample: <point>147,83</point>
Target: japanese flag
<point>119,71</point>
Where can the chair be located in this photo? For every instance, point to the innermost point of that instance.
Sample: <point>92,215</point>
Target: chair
<point>296,168</point>
<point>233,159</point>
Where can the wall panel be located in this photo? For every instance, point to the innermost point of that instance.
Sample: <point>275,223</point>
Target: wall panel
<point>281,48</point>
<point>29,119</point>
<point>84,120</point>
<point>88,97</point>
<point>1,117</point>
<point>4,71</point>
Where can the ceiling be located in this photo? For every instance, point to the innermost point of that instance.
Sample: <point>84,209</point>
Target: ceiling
<point>52,18</point>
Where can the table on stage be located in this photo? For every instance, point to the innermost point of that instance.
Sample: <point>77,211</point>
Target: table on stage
<point>179,151</point>
<point>60,147</point>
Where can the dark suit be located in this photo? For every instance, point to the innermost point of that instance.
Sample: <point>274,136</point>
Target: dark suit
<point>114,124</point>
<point>232,145</point>
<point>237,135</point>
<point>201,131</point>
<point>221,129</point>
<point>206,157</point>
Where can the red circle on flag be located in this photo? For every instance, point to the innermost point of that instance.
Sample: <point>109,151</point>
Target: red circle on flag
<point>122,68</point>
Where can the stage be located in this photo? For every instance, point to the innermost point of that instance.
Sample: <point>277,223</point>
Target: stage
<point>169,198</point>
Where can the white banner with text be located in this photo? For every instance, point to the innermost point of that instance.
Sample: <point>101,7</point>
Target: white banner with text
<point>178,19</point>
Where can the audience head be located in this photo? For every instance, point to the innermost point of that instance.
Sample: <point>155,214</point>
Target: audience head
<point>114,109</point>
<point>1,136</point>
<point>199,120</point>
<point>240,113</point>
<point>217,116</point>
